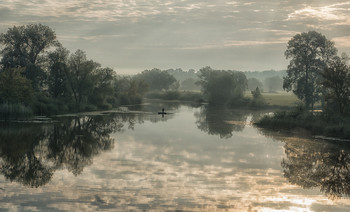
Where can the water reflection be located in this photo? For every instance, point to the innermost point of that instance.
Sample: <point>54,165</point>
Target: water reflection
<point>30,153</point>
<point>221,121</point>
<point>317,164</point>
<point>137,161</point>
<point>18,153</point>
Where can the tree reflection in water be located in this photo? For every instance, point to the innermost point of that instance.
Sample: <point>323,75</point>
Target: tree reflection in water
<point>30,153</point>
<point>220,121</point>
<point>18,153</point>
<point>317,164</point>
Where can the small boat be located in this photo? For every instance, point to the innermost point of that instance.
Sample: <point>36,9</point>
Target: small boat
<point>162,113</point>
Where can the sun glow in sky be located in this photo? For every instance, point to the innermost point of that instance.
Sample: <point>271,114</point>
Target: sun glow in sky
<point>133,35</point>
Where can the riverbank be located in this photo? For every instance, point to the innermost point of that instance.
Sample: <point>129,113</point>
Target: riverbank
<point>318,124</point>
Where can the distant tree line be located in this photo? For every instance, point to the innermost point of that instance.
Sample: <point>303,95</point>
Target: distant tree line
<point>267,81</point>
<point>269,84</point>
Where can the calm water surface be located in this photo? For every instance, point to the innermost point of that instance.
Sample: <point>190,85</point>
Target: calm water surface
<point>193,159</point>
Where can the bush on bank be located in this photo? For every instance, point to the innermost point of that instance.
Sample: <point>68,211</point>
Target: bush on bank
<point>315,123</point>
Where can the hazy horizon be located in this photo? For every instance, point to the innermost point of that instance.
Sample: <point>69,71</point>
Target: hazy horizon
<point>132,36</point>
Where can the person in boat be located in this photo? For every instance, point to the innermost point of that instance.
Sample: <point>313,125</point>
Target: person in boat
<point>162,112</point>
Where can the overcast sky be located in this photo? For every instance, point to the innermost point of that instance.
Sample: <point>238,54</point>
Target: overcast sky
<point>133,35</point>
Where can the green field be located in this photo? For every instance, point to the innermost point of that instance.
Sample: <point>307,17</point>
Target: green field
<point>279,99</point>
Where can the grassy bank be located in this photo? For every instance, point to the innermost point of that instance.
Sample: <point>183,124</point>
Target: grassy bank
<point>278,99</point>
<point>282,99</point>
<point>316,123</point>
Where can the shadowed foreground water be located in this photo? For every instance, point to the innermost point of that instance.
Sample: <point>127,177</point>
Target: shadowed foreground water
<point>193,159</point>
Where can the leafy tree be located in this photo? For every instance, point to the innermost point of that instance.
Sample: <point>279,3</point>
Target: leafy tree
<point>157,79</point>
<point>14,88</point>
<point>258,99</point>
<point>103,88</point>
<point>189,84</point>
<point>81,73</point>
<point>181,75</point>
<point>336,80</point>
<point>222,87</point>
<point>58,68</point>
<point>309,53</point>
<point>61,81</point>
<point>24,47</point>
<point>129,90</point>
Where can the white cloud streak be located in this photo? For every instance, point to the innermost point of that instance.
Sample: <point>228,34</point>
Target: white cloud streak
<point>332,12</point>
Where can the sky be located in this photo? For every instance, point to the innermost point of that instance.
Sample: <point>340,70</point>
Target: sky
<point>134,35</point>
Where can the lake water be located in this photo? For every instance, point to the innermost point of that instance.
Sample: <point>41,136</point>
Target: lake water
<point>193,159</point>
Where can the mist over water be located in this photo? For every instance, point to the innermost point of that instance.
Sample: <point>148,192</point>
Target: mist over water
<point>195,158</point>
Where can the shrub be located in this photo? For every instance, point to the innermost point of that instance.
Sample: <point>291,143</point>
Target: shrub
<point>258,100</point>
<point>299,117</point>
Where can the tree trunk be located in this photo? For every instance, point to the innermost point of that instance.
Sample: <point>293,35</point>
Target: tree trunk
<point>307,92</point>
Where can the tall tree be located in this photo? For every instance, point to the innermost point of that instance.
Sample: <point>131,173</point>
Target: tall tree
<point>129,90</point>
<point>157,79</point>
<point>14,88</point>
<point>81,74</point>
<point>23,47</point>
<point>336,80</point>
<point>309,53</point>
<point>103,88</point>
<point>58,68</point>
<point>222,87</point>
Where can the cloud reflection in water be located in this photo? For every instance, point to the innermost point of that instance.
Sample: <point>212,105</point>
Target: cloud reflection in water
<point>173,165</point>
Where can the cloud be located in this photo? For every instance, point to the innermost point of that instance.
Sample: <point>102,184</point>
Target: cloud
<point>342,41</point>
<point>234,43</point>
<point>92,38</point>
<point>132,30</point>
<point>333,12</point>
